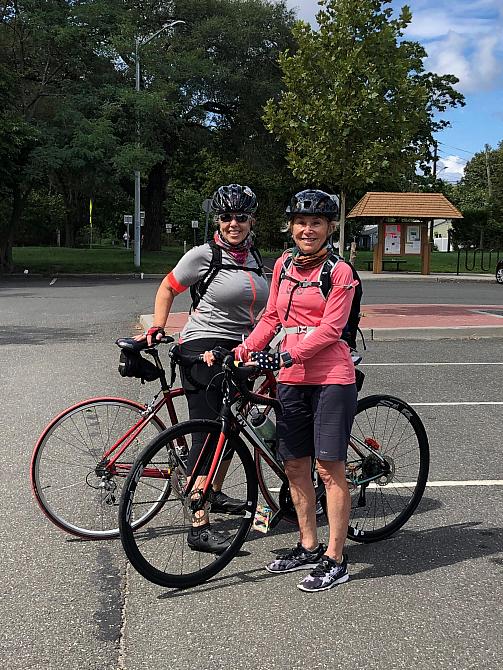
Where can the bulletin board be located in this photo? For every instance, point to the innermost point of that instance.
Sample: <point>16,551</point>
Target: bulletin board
<point>413,239</point>
<point>392,239</point>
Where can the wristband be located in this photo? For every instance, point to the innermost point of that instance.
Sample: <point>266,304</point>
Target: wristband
<point>286,358</point>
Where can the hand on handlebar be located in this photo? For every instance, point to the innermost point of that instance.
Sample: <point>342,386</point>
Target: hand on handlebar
<point>153,335</point>
<point>209,358</point>
<point>265,360</point>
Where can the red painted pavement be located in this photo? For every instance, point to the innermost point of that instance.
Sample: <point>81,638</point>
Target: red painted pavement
<point>426,316</point>
<point>403,316</point>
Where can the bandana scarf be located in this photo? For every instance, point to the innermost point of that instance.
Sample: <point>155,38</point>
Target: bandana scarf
<point>308,261</point>
<point>238,251</point>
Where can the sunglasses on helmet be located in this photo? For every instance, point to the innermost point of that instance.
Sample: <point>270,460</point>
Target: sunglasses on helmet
<point>226,217</point>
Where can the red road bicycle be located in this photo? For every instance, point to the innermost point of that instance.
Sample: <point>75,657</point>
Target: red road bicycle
<point>386,470</point>
<point>83,456</point>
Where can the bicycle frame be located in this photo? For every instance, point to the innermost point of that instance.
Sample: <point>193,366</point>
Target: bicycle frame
<point>234,415</point>
<point>151,410</point>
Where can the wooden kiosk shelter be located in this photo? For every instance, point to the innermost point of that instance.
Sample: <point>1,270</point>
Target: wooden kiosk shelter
<point>402,220</point>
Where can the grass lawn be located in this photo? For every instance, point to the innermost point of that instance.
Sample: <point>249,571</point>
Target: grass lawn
<point>51,260</point>
<point>117,260</point>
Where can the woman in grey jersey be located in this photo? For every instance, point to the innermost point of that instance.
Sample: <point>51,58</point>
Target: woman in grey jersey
<point>225,312</point>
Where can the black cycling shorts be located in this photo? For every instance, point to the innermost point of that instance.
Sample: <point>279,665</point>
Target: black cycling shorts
<point>316,420</point>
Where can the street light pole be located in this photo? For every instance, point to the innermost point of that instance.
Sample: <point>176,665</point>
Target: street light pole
<point>137,196</point>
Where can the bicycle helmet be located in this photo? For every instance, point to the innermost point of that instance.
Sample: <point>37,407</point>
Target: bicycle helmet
<point>311,202</point>
<point>234,198</point>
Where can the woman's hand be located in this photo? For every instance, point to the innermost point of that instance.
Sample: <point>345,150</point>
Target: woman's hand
<point>265,360</point>
<point>153,335</point>
<point>208,358</point>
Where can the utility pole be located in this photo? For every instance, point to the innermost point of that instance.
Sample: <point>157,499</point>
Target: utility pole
<point>489,194</point>
<point>435,160</point>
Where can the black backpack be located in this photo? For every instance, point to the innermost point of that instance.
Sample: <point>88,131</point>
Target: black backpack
<point>198,289</point>
<point>324,283</point>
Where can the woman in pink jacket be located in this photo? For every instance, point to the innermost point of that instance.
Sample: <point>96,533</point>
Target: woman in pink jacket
<point>316,383</point>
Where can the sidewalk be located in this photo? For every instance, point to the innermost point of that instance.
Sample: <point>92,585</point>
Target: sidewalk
<point>404,322</point>
<point>408,321</point>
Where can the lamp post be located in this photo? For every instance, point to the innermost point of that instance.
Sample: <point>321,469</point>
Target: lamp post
<point>137,198</point>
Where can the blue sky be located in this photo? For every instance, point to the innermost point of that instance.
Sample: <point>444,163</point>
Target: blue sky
<point>465,38</point>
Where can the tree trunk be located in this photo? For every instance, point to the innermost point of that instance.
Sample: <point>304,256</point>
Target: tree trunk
<point>155,194</point>
<point>352,253</point>
<point>7,235</point>
<point>342,223</point>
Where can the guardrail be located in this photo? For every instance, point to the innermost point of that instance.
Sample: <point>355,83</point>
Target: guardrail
<point>485,258</point>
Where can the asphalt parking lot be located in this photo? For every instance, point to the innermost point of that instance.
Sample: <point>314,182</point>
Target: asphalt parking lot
<point>428,597</point>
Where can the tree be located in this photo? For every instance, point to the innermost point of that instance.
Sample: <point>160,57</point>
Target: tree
<point>51,134</point>
<point>357,108</point>
<point>202,87</point>
<point>479,195</point>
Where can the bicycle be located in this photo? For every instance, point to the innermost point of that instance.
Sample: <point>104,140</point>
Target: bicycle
<point>386,469</point>
<point>78,467</point>
<point>82,457</point>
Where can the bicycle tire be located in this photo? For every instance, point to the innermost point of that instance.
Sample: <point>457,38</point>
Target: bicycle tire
<point>160,552</point>
<point>400,437</point>
<point>67,488</point>
<point>268,481</point>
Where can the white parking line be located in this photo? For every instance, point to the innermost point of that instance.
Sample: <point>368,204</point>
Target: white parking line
<point>381,365</point>
<point>453,404</point>
<point>439,484</point>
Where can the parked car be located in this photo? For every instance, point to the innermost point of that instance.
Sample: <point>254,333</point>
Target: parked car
<point>499,271</point>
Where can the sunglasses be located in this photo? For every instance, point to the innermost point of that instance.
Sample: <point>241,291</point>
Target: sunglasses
<point>240,218</point>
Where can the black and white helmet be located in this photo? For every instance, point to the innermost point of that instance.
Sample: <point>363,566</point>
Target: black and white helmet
<point>234,198</point>
<point>313,202</point>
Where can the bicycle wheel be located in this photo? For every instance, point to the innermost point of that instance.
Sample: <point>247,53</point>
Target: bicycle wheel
<point>393,429</point>
<point>71,489</point>
<point>269,481</point>
<point>159,551</point>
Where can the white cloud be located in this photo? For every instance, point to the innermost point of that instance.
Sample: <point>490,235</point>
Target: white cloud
<point>475,64</point>
<point>463,39</point>
<point>451,168</point>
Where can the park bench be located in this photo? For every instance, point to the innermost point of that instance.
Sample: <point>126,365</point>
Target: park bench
<point>397,262</point>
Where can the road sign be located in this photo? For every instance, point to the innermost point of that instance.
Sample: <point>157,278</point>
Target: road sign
<point>169,227</point>
<point>206,205</point>
<point>142,218</point>
<point>195,224</point>
<point>128,219</point>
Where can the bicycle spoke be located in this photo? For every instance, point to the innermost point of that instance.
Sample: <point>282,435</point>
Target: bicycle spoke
<point>163,549</point>
<point>77,492</point>
<point>395,460</point>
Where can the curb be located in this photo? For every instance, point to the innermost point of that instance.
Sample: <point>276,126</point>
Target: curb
<point>394,334</point>
<point>365,276</point>
<point>433,333</point>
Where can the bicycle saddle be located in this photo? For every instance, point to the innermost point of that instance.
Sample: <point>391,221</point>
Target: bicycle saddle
<point>130,344</point>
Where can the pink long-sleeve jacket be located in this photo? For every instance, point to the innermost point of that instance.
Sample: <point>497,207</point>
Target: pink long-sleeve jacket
<point>320,356</point>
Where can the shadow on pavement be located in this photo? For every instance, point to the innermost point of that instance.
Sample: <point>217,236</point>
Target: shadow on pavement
<point>413,552</point>
<point>31,335</point>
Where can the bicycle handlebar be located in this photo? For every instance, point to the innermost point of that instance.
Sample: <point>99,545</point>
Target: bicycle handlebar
<point>130,344</point>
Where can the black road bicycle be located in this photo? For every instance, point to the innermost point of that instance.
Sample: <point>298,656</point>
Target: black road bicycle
<point>386,469</point>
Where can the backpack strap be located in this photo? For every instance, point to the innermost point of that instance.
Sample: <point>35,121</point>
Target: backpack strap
<point>198,289</point>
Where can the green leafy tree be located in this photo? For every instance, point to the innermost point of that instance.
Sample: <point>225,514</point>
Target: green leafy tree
<point>357,108</point>
<point>203,86</point>
<point>479,195</point>
<point>51,132</point>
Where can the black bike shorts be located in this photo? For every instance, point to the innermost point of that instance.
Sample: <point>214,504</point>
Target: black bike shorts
<point>316,420</point>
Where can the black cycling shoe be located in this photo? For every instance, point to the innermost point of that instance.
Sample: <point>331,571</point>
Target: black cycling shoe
<point>204,539</point>
<point>222,503</point>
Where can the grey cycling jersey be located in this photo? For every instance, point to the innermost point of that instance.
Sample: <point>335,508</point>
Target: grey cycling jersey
<point>233,300</point>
